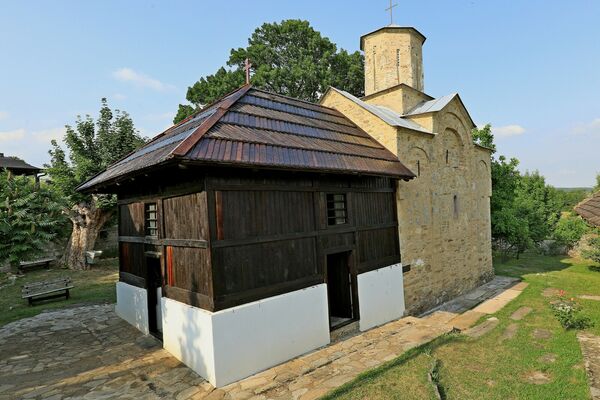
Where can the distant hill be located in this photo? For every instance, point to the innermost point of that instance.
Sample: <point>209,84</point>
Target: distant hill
<point>576,189</point>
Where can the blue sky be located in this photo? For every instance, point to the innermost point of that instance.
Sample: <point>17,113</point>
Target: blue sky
<point>531,68</point>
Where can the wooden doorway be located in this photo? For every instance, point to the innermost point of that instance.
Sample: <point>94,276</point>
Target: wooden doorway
<point>340,290</point>
<point>154,292</point>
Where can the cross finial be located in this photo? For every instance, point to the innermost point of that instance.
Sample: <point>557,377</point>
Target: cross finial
<point>247,65</point>
<point>391,10</point>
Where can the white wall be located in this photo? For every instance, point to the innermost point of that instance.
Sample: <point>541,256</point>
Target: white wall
<point>232,344</point>
<point>132,305</point>
<point>188,336</point>
<point>380,296</point>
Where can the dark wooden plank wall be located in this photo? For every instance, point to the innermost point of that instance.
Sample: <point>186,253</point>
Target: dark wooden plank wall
<point>131,255</point>
<point>271,234</point>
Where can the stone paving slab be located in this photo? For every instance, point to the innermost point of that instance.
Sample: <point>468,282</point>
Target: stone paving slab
<point>89,353</point>
<point>590,347</point>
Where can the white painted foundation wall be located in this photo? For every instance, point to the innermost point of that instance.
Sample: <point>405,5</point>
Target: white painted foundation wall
<point>132,305</point>
<point>232,344</point>
<point>380,296</point>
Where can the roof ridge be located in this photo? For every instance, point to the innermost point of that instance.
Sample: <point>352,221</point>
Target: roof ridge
<point>188,143</point>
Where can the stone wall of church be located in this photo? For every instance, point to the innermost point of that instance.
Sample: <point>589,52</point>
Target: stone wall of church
<point>444,214</point>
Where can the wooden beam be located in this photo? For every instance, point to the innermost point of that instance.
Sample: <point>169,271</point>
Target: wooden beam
<point>131,279</point>
<point>197,243</point>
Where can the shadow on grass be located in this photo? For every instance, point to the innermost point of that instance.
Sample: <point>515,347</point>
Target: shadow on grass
<point>530,263</point>
<point>372,374</point>
<point>594,268</point>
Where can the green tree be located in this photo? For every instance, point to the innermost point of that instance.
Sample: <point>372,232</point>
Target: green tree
<point>92,147</point>
<point>484,137</point>
<point>597,187</point>
<point>539,204</point>
<point>30,218</point>
<point>290,58</point>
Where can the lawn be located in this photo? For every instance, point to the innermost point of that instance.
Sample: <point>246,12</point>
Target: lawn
<point>492,367</point>
<point>91,287</point>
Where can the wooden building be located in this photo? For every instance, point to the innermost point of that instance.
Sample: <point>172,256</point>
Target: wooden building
<point>250,230</point>
<point>589,209</point>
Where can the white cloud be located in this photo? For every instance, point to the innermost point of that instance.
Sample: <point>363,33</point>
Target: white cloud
<point>4,115</point>
<point>46,135</point>
<point>508,131</point>
<point>8,136</point>
<point>590,128</point>
<point>140,80</point>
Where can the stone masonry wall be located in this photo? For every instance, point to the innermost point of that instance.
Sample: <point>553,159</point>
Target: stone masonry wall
<point>444,213</point>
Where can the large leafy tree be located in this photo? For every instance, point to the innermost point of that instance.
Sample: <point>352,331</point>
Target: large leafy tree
<point>30,218</point>
<point>290,58</point>
<point>92,146</point>
<point>524,209</point>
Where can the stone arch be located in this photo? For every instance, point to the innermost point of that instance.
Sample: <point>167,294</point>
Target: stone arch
<point>418,161</point>
<point>452,148</point>
<point>454,122</point>
<point>484,180</point>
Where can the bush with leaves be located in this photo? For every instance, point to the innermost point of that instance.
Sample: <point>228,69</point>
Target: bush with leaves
<point>593,253</point>
<point>568,313</point>
<point>569,230</point>
<point>30,218</point>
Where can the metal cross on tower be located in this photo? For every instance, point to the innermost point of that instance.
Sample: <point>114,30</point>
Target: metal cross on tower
<point>247,65</point>
<point>391,10</point>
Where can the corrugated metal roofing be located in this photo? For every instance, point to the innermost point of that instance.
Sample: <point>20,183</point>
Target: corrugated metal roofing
<point>589,209</point>
<point>432,105</point>
<point>254,128</point>
<point>389,116</point>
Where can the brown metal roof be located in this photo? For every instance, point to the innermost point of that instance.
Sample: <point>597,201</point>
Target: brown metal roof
<point>17,165</point>
<point>254,128</point>
<point>589,209</point>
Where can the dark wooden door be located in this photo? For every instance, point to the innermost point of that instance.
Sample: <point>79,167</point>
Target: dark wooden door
<point>339,288</point>
<point>153,283</point>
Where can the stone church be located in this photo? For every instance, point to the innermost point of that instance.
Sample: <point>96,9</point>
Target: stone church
<point>443,214</point>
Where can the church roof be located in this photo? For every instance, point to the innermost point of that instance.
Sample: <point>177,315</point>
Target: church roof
<point>389,116</point>
<point>589,209</point>
<point>253,128</point>
<point>396,119</point>
<point>17,165</point>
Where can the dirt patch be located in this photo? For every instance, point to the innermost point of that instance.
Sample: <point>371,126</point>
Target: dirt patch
<point>548,358</point>
<point>541,334</point>
<point>537,378</point>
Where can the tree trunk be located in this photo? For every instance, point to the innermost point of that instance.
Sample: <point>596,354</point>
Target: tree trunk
<point>87,220</point>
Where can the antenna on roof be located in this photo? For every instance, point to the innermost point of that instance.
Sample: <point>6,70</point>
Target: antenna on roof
<point>247,65</point>
<point>391,10</point>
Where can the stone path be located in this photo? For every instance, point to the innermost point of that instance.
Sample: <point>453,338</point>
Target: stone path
<point>90,353</point>
<point>590,347</point>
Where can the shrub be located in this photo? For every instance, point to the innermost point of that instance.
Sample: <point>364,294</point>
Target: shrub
<point>569,230</point>
<point>593,253</point>
<point>569,315</point>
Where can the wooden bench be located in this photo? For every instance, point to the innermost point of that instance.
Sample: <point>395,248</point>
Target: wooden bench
<point>47,289</point>
<point>43,262</point>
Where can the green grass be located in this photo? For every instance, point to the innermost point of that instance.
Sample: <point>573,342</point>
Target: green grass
<point>489,368</point>
<point>90,287</point>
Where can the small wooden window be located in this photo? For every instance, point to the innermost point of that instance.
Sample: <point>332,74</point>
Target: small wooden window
<point>336,209</point>
<point>418,168</point>
<point>447,156</point>
<point>151,219</point>
<point>456,206</point>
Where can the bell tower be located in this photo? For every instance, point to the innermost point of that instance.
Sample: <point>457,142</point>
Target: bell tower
<point>393,55</point>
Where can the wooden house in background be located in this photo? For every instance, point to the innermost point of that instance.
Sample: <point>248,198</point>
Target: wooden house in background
<point>16,166</point>
<point>589,209</point>
<point>252,229</point>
